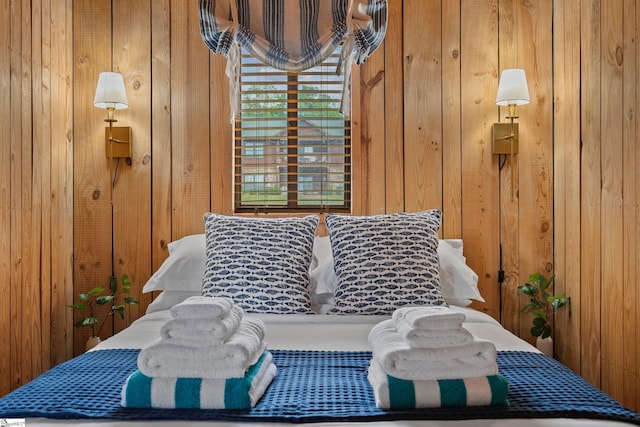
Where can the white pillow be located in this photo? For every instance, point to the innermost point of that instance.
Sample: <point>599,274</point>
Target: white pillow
<point>180,275</point>
<point>321,272</point>
<point>459,282</point>
<point>183,269</point>
<point>168,299</point>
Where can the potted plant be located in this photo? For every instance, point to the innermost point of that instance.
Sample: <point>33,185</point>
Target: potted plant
<point>542,305</point>
<point>95,298</point>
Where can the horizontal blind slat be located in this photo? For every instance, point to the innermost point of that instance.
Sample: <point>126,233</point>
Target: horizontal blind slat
<point>292,148</point>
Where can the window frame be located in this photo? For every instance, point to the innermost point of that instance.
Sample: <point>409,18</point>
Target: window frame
<point>222,145</point>
<point>295,181</point>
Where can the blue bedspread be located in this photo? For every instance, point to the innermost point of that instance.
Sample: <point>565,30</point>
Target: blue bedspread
<point>311,386</point>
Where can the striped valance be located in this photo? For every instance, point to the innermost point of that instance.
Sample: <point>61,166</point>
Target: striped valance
<point>293,35</point>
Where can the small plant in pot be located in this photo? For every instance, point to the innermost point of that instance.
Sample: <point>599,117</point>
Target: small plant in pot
<point>97,297</point>
<point>541,305</point>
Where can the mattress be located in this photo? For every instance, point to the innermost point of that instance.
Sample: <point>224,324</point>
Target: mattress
<point>323,332</point>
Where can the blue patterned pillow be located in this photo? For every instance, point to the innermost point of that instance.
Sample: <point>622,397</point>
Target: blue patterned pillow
<point>261,263</point>
<point>384,262</point>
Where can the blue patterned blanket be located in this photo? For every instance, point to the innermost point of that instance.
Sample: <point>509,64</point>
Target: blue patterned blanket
<point>311,386</point>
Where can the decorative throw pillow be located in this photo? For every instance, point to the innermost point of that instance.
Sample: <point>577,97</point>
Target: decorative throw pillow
<point>261,263</point>
<point>459,283</point>
<point>384,262</point>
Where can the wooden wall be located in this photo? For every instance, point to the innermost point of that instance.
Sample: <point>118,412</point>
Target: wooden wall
<point>596,193</point>
<point>36,188</point>
<point>427,104</point>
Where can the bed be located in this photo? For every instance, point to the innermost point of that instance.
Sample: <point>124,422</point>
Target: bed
<point>299,339</point>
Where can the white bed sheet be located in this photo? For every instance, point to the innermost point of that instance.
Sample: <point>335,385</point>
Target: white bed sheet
<point>324,332</point>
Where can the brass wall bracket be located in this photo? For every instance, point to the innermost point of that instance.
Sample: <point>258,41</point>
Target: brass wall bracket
<point>502,134</point>
<point>121,142</point>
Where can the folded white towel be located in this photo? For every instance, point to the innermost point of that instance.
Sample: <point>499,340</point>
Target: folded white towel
<point>201,307</point>
<point>164,358</point>
<point>140,391</point>
<point>202,332</point>
<point>429,317</point>
<point>400,360</point>
<point>436,338</point>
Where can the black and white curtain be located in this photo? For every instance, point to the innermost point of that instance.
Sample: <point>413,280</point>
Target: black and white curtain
<point>293,35</point>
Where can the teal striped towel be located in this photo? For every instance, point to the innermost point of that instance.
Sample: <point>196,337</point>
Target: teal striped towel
<point>141,391</point>
<point>396,393</point>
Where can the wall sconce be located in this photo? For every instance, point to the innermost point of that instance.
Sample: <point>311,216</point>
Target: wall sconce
<point>512,91</point>
<point>112,95</point>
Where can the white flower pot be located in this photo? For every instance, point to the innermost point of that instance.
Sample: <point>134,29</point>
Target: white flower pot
<point>545,345</point>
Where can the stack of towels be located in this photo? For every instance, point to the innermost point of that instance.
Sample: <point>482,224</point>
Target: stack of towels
<point>423,357</point>
<point>208,356</point>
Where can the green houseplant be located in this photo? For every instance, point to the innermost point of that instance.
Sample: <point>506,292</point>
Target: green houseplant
<point>97,297</point>
<point>542,304</point>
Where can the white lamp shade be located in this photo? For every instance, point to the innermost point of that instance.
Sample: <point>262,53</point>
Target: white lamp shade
<point>512,88</point>
<point>110,92</point>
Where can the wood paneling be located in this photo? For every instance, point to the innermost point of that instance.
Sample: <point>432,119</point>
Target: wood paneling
<point>222,154</point>
<point>6,367</point>
<point>368,145</point>
<point>92,208</point>
<point>61,180</point>
<point>535,157</point>
<point>394,111</point>
<point>611,196</point>
<point>36,182</point>
<point>132,192</point>
<point>479,168</point>
<point>590,257</point>
<point>451,121</point>
<point>190,129</point>
<point>630,185</point>
<point>567,145</point>
<point>509,36</point>
<point>422,105</point>
<point>425,105</point>
<point>160,143</point>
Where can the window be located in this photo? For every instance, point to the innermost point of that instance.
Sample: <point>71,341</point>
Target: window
<point>251,149</point>
<point>292,144</point>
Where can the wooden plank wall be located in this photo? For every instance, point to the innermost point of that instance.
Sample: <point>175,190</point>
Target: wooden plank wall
<point>596,167</point>
<point>36,179</point>
<point>427,105</point>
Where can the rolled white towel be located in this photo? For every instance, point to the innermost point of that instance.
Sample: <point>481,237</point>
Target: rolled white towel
<point>201,307</point>
<point>400,360</point>
<point>436,338</point>
<point>164,358</point>
<point>429,317</point>
<point>202,332</point>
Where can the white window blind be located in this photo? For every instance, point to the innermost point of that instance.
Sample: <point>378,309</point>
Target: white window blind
<point>292,144</point>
